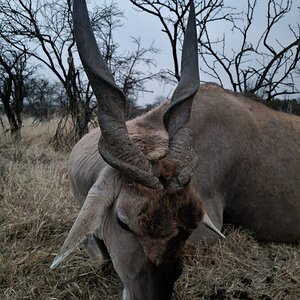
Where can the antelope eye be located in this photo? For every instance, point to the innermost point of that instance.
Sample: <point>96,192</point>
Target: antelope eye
<point>123,225</point>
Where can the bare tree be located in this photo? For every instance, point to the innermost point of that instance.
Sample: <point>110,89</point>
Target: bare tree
<point>171,14</point>
<point>44,98</point>
<point>131,69</point>
<point>266,67</point>
<point>46,28</point>
<point>14,71</point>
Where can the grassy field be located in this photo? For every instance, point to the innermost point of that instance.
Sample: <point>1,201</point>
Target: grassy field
<point>37,210</point>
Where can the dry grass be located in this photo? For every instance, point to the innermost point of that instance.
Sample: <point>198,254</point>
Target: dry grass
<point>37,210</point>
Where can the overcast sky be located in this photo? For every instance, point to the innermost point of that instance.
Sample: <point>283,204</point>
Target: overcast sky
<point>147,27</point>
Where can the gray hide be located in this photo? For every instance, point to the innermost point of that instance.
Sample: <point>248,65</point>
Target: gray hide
<point>213,153</point>
<point>247,174</point>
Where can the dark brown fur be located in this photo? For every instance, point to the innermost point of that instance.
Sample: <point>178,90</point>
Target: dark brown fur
<point>162,218</point>
<point>165,213</point>
<point>166,221</point>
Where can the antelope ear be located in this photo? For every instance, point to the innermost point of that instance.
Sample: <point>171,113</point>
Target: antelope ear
<point>84,225</point>
<point>100,196</point>
<point>209,224</point>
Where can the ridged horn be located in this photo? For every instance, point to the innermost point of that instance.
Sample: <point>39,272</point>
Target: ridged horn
<point>115,146</point>
<point>177,117</point>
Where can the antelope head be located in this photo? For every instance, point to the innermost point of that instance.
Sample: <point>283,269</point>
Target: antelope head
<point>142,209</point>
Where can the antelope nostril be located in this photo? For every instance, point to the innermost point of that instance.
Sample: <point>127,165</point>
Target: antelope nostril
<point>155,259</point>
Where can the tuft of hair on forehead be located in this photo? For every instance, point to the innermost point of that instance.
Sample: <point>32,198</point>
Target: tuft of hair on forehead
<point>164,169</point>
<point>167,169</point>
<point>164,214</point>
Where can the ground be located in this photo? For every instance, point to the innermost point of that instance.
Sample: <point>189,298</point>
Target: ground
<point>37,210</point>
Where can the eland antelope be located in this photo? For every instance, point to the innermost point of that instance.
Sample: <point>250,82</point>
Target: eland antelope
<point>177,173</point>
